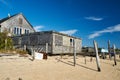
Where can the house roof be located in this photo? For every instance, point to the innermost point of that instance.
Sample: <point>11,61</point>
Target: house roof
<point>6,18</point>
<point>50,32</point>
<point>63,34</point>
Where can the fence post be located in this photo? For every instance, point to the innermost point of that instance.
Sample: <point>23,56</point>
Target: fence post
<point>46,48</point>
<point>5,44</point>
<point>109,51</point>
<point>114,54</point>
<point>74,52</point>
<point>33,53</point>
<point>97,57</point>
<point>61,53</point>
<point>24,48</point>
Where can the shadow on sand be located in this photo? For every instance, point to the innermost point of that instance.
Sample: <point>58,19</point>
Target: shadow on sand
<point>59,60</point>
<point>84,66</point>
<point>72,64</point>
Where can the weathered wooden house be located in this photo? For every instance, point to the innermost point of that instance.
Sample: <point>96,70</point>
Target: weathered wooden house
<point>57,42</point>
<point>23,34</point>
<point>16,25</point>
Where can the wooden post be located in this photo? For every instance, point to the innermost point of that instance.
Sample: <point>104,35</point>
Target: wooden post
<point>74,52</point>
<point>61,53</point>
<point>103,55</point>
<point>97,57</point>
<point>24,47</point>
<point>114,54</point>
<point>46,48</point>
<point>109,51</point>
<point>33,53</point>
<point>20,79</point>
<point>46,52</point>
<point>5,44</point>
<point>91,59</point>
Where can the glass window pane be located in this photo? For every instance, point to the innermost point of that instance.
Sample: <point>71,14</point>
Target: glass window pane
<point>20,31</point>
<point>25,31</point>
<point>15,30</point>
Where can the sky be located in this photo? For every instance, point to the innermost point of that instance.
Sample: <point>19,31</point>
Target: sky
<point>89,20</point>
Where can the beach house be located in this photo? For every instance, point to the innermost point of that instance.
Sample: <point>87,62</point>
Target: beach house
<point>16,25</point>
<point>23,34</point>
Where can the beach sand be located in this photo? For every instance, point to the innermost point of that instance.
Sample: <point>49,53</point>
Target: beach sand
<point>55,68</point>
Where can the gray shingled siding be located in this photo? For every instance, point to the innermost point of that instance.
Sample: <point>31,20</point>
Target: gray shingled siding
<point>35,41</point>
<point>58,43</point>
<point>64,44</point>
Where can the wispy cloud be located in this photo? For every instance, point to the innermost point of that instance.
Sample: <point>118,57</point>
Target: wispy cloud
<point>6,3</point>
<point>115,28</point>
<point>3,2</point>
<point>94,18</point>
<point>69,32</point>
<point>38,28</point>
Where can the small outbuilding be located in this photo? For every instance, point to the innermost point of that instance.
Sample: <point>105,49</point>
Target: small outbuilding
<point>52,41</point>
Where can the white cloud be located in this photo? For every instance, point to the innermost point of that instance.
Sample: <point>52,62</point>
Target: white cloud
<point>38,28</point>
<point>115,28</point>
<point>69,32</point>
<point>6,3</point>
<point>94,18</point>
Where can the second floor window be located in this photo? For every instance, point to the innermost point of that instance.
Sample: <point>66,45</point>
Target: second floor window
<point>15,30</point>
<point>20,31</point>
<point>20,21</point>
<point>26,31</point>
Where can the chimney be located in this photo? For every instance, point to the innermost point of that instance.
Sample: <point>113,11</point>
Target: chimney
<point>8,14</point>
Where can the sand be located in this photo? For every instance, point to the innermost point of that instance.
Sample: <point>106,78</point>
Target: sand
<point>55,68</point>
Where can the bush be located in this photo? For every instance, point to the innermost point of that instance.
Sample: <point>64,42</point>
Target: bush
<point>5,41</point>
<point>6,45</point>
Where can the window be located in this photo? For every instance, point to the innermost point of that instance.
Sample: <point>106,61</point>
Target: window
<point>20,31</point>
<point>20,21</point>
<point>71,42</point>
<point>27,31</point>
<point>15,30</point>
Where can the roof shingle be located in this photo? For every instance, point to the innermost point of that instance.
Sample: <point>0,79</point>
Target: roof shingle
<point>6,18</point>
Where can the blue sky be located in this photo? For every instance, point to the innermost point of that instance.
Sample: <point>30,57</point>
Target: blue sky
<point>88,19</point>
